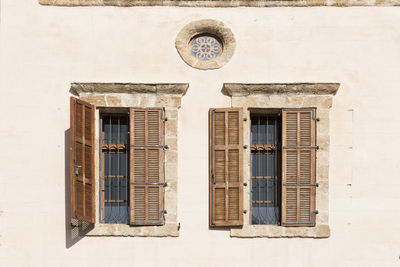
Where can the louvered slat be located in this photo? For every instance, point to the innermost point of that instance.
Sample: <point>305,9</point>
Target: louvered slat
<point>305,167</point>
<point>305,205</point>
<point>153,118</point>
<point>291,166</point>
<point>233,212</point>
<point>219,172</point>
<point>154,203</point>
<point>298,192</point>
<point>233,165</point>
<point>233,128</point>
<point>220,204</point>
<point>153,158</point>
<point>291,129</point>
<point>147,167</point>
<point>139,127</point>
<point>82,160</point>
<point>139,203</point>
<point>291,205</point>
<point>305,128</point>
<point>226,149</point>
<point>139,165</point>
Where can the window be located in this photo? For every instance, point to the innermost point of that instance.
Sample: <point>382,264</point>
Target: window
<point>114,168</point>
<point>131,165</point>
<point>265,167</point>
<point>282,171</point>
<point>205,44</point>
<point>289,99</point>
<point>138,135</point>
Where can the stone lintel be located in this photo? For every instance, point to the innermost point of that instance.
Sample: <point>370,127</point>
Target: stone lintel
<point>131,88</point>
<point>246,89</point>
<point>221,3</point>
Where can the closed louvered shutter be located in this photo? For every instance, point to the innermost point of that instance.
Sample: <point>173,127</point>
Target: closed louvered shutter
<point>146,167</point>
<point>298,160</point>
<point>226,170</point>
<point>82,160</point>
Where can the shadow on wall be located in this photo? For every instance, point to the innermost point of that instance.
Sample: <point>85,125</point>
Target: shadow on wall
<point>74,229</point>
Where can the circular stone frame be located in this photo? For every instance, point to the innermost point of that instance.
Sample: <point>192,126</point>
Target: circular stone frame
<point>205,27</point>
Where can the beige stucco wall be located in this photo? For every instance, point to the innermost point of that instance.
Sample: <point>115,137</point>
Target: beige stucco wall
<point>44,49</point>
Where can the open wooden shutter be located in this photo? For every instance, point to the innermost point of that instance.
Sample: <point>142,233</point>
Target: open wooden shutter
<point>226,166</point>
<point>82,160</point>
<point>146,167</point>
<point>298,160</point>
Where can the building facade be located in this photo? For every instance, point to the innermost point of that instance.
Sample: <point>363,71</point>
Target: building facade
<point>199,133</point>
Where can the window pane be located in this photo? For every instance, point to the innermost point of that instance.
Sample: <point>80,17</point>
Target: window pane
<point>115,184</point>
<point>265,186</point>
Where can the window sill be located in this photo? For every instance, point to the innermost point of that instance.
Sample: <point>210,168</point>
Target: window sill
<point>252,231</point>
<point>167,230</point>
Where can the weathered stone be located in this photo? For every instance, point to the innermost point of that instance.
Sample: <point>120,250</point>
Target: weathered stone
<point>323,231</point>
<point>239,89</point>
<point>96,100</point>
<point>169,229</point>
<point>320,231</point>
<point>221,3</point>
<point>113,101</point>
<point>130,88</point>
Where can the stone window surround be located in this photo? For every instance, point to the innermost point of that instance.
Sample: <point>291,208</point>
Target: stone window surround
<point>296,95</point>
<point>118,95</point>
<point>211,27</point>
<point>222,3</point>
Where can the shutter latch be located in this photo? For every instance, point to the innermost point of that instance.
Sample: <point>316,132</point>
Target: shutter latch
<point>313,115</point>
<point>77,169</point>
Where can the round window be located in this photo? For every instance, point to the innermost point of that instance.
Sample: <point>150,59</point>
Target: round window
<point>205,44</point>
<point>205,47</point>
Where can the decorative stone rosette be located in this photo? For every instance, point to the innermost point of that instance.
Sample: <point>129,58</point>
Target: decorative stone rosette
<point>205,44</point>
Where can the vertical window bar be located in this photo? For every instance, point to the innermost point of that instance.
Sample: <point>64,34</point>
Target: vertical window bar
<point>127,151</point>
<point>276,170</point>
<point>109,138</point>
<point>100,171</point>
<point>118,160</point>
<point>266,181</point>
<point>258,173</point>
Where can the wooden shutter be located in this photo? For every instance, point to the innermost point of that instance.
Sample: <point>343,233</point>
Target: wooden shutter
<point>146,167</point>
<point>82,160</point>
<point>226,166</point>
<point>298,160</point>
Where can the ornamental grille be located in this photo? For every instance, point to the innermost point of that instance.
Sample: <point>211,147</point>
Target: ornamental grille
<point>265,169</point>
<point>115,161</point>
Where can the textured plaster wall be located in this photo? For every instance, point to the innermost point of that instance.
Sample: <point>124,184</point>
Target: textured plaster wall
<point>45,48</point>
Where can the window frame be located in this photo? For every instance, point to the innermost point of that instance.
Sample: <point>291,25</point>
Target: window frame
<point>285,96</point>
<point>115,96</point>
<point>278,159</point>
